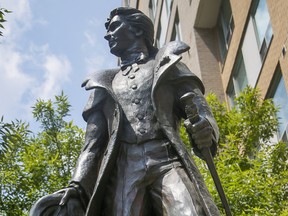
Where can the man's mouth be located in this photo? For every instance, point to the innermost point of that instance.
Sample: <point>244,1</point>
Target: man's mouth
<point>112,43</point>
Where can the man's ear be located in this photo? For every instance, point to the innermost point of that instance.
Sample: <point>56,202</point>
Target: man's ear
<point>138,32</point>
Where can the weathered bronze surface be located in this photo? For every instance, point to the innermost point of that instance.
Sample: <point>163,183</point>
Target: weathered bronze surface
<point>133,161</point>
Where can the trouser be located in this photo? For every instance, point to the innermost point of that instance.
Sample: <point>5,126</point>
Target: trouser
<point>149,179</point>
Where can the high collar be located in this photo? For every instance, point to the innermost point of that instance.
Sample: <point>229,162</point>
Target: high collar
<point>163,60</point>
<point>140,59</point>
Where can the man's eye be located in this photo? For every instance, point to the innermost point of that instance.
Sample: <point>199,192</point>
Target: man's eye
<point>113,26</point>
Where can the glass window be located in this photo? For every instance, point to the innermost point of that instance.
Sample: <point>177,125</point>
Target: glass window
<point>263,27</point>
<point>280,99</point>
<point>225,29</point>
<point>152,9</point>
<point>176,33</point>
<point>164,24</point>
<point>168,6</point>
<point>231,94</point>
<point>239,80</point>
<point>240,77</point>
<point>159,30</point>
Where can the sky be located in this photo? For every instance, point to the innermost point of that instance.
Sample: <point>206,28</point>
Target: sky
<point>49,46</point>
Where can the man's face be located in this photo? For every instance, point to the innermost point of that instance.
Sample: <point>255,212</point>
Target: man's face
<point>119,35</point>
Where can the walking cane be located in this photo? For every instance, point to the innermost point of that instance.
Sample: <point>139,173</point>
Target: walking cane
<point>193,115</point>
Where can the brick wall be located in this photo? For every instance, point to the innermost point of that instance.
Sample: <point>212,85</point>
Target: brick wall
<point>203,57</point>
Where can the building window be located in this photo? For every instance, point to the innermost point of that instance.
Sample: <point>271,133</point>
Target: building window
<point>280,99</point>
<point>238,81</point>
<point>176,33</point>
<point>263,27</point>
<point>152,9</point>
<point>162,31</point>
<point>225,29</point>
<point>127,2</point>
<point>168,7</point>
<point>159,30</point>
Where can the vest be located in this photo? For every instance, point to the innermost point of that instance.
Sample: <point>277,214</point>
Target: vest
<point>132,88</point>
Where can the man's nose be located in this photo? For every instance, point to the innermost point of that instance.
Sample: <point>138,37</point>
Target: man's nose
<point>107,36</point>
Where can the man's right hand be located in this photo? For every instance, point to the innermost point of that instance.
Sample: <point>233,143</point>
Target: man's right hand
<point>70,204</point>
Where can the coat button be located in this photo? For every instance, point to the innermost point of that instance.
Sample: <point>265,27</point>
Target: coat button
<point>134,87</point>
<point>140,116</point>
<point>136,101</point>
<point>132,76</point>
<point>142,130</point>
<point>126,71</point>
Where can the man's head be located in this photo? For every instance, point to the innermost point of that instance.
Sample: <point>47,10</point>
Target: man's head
<point>136,22</point>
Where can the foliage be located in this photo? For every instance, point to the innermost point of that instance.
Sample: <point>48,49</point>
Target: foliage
<point>11,133</point>
<point>253,172</point>
<point>2,19</point>
<point>35,164</point>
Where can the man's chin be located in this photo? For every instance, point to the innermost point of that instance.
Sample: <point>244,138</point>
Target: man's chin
<point>115,51</point>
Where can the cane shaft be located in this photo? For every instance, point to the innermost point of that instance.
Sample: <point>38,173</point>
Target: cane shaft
<point>211,166</point>
<point>192,113</point>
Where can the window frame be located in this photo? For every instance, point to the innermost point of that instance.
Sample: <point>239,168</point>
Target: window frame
<point>176,31</point>
<point>233,89</point>
<point>277,78</point>
<point>225,30</point>
<point>264,44</point>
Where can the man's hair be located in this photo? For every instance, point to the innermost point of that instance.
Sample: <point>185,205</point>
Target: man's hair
<point>136,19</point>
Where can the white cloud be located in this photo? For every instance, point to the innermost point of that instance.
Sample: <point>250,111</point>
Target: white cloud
<point>98,62</point>
<point>27,74</point>
<point>96,48</point>
<point>56,72</point>
<point>95,63</point>
<point>90,38</point>
<point>95,23</point>
<point>19,89</point>
<point>90,34</point>
<point>14,82</point>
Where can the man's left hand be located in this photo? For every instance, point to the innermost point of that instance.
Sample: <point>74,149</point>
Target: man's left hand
<point>200,131</point>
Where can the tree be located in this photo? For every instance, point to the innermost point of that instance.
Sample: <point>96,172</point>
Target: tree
<point>3,11</point>
<point>10,133</point>
<point>40,163</point>
<point>253,172</point>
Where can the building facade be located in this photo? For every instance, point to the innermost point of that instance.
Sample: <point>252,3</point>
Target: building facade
<point>233,44</point>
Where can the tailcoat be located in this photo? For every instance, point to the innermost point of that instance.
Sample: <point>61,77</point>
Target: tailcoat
<point>104,116</point>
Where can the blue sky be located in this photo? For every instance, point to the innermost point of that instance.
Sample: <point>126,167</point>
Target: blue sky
<point>50,46</point>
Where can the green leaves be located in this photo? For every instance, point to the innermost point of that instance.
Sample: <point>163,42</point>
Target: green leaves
<point>10,134</point>
<point>35,164</point>
<point>250,124</point>
<point>2,20</point>
<point>253,172</point>
<point>51,114</point>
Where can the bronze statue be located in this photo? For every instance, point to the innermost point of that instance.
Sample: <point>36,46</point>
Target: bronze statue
<point>133,161</point>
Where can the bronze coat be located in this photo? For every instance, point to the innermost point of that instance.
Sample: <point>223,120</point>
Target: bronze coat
<point>103,116</point>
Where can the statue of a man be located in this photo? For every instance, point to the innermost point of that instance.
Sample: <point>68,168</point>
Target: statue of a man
<point>133,161</point>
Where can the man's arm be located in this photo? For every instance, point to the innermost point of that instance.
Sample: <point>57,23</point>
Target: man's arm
<point>89,161</point>
<point>205,132</point>
<point>96,139</point>
<point>73,200</point>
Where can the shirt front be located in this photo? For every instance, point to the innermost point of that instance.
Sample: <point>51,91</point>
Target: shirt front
<point>132,88</point>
